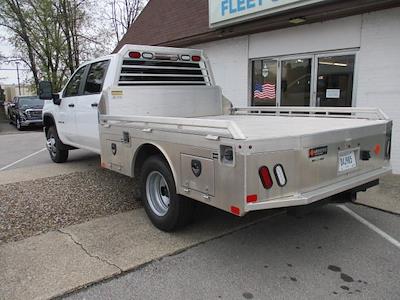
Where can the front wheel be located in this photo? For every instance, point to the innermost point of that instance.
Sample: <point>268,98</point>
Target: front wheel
<point>166,209</point>
<point>18,124</point>
<point>55,146</point>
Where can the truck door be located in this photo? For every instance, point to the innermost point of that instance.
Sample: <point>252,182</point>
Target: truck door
<point>86,106</point>
<point>66,116</point>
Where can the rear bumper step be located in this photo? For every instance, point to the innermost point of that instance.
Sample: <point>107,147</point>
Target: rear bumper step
<point>359,183</point>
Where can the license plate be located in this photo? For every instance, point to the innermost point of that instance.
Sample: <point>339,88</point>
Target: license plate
<point>347,161</point>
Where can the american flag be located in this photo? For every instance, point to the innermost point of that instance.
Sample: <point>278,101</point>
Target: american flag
<point>265,91</point>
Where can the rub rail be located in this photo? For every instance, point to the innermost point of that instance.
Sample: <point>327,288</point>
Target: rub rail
<point>192,125</point>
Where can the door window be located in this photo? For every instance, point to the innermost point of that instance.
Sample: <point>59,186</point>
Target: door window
<point>335,80</point>
<point>73,86</point>
<point>295,82</point>
<point>264,83</point>
<point>95,77</point>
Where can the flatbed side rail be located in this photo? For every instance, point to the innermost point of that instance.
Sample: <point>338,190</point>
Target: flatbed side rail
<point>369,113</point>
<point>210,128</point>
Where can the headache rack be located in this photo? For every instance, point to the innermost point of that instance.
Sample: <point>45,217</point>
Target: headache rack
<point>139,72</point>
<point>321,112</point>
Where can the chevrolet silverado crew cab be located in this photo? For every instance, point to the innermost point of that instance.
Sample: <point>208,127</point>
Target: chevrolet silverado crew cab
<point>155,113</point>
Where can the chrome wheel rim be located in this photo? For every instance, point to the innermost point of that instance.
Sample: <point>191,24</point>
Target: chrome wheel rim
<point>157,192</point>
<point>51,145</point>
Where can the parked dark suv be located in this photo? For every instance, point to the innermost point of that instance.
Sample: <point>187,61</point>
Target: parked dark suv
<point>26,111</point>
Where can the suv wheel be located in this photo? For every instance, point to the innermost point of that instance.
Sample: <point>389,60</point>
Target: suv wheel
<point>55,146</point>
<point>166,209</point>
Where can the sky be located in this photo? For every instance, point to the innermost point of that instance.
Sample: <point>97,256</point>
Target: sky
<point>10,76</point>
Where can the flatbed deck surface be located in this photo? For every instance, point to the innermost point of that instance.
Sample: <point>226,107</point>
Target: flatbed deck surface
<point>261,127</point>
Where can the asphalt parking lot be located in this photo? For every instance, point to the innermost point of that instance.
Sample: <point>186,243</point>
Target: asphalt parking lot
<point>335,252</point>
<point>326,255</point>
<point>28,149</point>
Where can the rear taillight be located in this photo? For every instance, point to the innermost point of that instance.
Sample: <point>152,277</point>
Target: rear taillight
<point>265,177</point>
<point>280,175</point>
<point>196,58</point>
<point>134,54</point>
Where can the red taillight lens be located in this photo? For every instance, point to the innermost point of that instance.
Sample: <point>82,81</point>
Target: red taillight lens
<point>134,54</point>
<point>265,177</point>
<point>235,210</point>
<point>251,198</point>
<point>196,58</point>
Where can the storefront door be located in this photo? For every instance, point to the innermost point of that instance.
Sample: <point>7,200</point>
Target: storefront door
<point>335,77</point>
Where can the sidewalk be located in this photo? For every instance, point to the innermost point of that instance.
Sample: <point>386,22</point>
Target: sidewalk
<point>62,261</point>
<point>385,196</point>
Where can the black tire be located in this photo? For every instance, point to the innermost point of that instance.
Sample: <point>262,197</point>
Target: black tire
<point>56,150</point>
<point>179,212</point>
<point>18,124</point>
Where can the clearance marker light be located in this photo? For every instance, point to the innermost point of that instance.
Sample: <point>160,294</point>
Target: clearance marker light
<point>185,57</point>
<point>147,55</point>
<point>280,175</point>
<point>235,210</point>
<point>134,55</point>
<point>251,198</point>
<point>196,58</point>
<point>265,177</point>
<point>377,149</point>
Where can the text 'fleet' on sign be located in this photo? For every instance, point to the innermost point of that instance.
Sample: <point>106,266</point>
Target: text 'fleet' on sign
<point>235,6</point>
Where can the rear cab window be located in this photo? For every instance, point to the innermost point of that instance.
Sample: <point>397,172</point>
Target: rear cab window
<point>95,77</point>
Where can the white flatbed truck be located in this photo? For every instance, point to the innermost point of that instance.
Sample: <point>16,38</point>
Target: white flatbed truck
<point>155,113</point>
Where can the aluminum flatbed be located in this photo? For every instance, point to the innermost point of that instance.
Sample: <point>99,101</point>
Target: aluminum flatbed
<point>164,121</point>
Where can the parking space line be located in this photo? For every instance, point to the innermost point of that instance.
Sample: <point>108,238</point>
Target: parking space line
<point>371,226</point>
<point>22,159</point>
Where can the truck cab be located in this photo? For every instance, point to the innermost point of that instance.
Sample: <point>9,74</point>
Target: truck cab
<point>73,112</point>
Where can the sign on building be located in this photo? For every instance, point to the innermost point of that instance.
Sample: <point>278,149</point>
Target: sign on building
<point>226,12</point>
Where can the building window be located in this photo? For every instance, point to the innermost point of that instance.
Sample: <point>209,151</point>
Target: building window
<point>296,82</point>
<point>264,83</point>
<point>311,80</point>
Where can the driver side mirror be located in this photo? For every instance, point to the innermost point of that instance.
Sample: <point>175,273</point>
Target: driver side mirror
<point>45,90</point>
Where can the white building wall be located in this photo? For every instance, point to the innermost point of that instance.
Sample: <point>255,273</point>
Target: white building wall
<point>332,35</point>
<point>378,82</point>
<point>229,61</point>
<point>376,36</point>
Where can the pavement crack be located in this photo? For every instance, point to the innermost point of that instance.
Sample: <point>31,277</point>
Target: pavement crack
<point>88,253</point>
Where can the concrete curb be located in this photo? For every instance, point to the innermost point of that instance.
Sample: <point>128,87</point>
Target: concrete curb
<point>46,170</point>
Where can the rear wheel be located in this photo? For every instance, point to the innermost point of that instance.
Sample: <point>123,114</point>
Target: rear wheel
<point>166,209</point>
<point>55,146</point>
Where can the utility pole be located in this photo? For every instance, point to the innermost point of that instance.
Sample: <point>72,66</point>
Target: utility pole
<point>19,85</point>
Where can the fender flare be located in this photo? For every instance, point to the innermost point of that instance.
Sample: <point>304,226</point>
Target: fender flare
<point>163,152</point>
